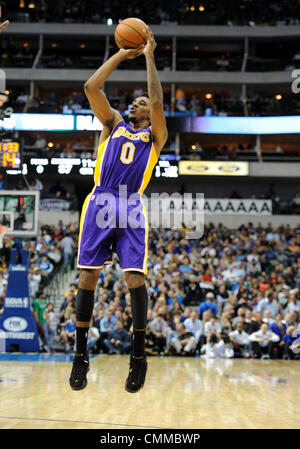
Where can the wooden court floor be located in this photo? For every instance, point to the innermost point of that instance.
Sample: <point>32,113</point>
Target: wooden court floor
<point>179,393</point>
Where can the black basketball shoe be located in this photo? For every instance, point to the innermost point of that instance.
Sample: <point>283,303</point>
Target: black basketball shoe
<point>137,373</point>
<point>81,366</point>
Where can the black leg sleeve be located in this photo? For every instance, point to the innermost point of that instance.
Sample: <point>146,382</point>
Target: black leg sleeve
<point>139,307</point>
<point>84,304</point>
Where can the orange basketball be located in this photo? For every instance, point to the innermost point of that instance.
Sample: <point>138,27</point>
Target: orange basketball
<point>129,33</point>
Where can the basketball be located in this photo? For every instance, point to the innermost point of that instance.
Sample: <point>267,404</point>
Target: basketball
<point>129,33</point>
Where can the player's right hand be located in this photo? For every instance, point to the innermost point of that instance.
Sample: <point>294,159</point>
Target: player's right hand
<point>131,53</point>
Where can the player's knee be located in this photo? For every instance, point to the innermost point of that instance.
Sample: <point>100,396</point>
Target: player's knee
<point>134,279</point>
<point>88,278</point>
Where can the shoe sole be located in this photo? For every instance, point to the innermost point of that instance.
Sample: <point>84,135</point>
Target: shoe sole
<point>79,388</point>
<point>133,391</point>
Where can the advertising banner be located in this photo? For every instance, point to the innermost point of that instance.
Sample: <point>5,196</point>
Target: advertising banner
<point>18,330</point>
<point>213,168</point>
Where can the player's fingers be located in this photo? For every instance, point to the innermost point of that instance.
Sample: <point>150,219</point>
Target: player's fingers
<point>150,32</point>
<point>147,33</point>
<point>140,49</point>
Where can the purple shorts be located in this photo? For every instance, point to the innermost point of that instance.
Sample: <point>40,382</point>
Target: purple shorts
<point>113,224</point>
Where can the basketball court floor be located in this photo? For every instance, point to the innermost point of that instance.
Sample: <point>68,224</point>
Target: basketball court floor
<point>180,393</point>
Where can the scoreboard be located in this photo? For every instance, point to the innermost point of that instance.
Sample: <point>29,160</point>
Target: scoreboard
<point>10,154</point>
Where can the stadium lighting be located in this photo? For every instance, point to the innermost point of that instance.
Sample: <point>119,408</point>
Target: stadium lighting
<point>109,22</point>
<point>278,97</point>
<point>208,96</point>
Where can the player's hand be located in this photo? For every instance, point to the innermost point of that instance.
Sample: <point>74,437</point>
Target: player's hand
<point>151,44</point>
<point>4,24</point>
<point>131,53</point>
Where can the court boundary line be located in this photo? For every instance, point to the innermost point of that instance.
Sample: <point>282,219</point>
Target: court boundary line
<point>83,422</point>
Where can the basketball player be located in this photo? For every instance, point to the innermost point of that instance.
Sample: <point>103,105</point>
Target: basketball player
<point>126,156</point>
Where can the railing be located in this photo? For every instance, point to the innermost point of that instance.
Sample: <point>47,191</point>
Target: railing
<point>55,291</point>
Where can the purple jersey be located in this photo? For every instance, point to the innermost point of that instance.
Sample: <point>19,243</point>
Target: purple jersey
<point>126,157</point>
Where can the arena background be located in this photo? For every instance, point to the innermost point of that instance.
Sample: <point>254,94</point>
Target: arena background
<point>229,72</point>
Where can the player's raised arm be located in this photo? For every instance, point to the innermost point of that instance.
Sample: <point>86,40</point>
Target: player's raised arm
<point>4,24</point>
<point>97,99</point>
<point>157,116</point>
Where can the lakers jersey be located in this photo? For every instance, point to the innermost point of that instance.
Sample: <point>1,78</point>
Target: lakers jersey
<point>126,157</point>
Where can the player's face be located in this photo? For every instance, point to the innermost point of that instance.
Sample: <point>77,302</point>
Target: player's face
<point>139,110</point>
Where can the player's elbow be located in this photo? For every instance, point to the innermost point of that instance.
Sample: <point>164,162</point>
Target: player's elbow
<point>87,87</point>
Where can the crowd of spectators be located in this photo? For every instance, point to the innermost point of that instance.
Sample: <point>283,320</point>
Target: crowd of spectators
<point>187,103</point>
<point>234,293</point>
<point>212,12</point>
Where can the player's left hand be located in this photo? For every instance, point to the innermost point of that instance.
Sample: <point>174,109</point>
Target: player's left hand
<point>151,44</point>
<point>131,53</point>
<point>4,24</point>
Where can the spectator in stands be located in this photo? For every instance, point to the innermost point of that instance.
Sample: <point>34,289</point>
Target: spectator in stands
<point>150,346</point>
<point>51,325</point>
<point>278,326</point>
<point>40,144</point>
<point>216,346</point>
<point>159,328</point>
<point>192,291</point>
<point>118,340</point>
<point>39,313</point>
<point>67,245</point>
<point>45,266</point>
<point>263,342</point>
<point>194,325</point>
<point>240,340</point>
<point>107,325</point>
<point>93,337</point>
<point>208,304</point>
<point>67,334</point>
<point>268,303</point>
<point>184,344</point>
<point>286,344</point>
<point>212,326</point>
<point>293,303</point>
<point>67,308</point>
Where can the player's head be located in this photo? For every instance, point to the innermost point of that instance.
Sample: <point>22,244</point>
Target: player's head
<point>139,110</point>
